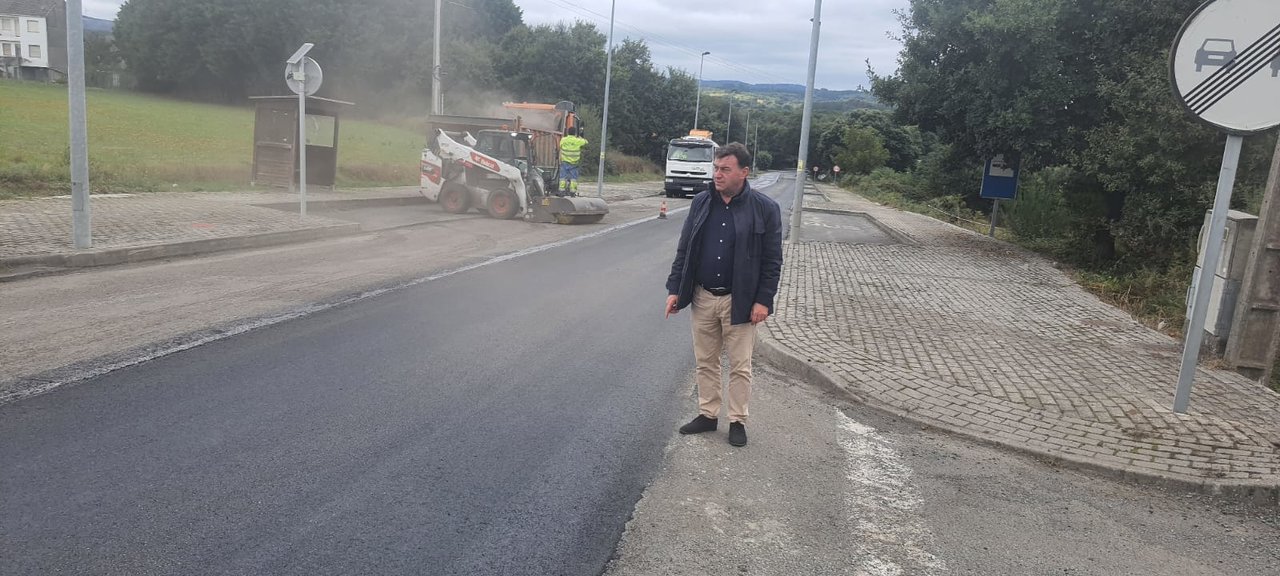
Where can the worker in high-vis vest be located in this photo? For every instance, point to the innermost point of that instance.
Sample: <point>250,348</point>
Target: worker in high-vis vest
<point>570,157</point>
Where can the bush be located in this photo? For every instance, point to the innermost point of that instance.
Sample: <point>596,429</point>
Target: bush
<point>1156,297</point>
<point>1040,211</point>
<point>885,181</point>
<point>943,172</point>
<point>617,163</point>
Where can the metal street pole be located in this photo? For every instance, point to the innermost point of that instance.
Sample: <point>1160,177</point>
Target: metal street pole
<point>755,154</point>
<point>746,132</point>
<point>798,203</point>
<point>437,105</point>
<point>995,212</point>
<point>604,121</point>
<point>296,78</point>
<point>728,130</point>
<point>81,221</point>
<point>698,102</point>
<point>1204,288</point>
<point>300,72</point>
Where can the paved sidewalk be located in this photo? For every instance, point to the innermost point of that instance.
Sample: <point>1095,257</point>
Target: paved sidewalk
<point>958,331</point>
<point>35,234</point>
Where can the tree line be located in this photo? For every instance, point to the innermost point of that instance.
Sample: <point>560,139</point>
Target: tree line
<point>1116,174</point>
<point>378,54</point>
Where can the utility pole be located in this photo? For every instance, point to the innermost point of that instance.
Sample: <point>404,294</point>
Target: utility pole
<point>746,132</point>
<point>798,204</point>
<point>755,154</point>
<point>437,105</point>
<point>698,102</point>
<point>728,130</point>
<point>604,122</point>
<point>81,221</point>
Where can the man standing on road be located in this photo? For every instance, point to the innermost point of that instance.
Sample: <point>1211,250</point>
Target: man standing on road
<point>727,265</point>
<point>570,156</point>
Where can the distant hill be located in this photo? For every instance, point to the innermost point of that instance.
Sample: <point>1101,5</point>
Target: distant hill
<point>789,94</point>
<point>99,25</point>
<point>819,95</point>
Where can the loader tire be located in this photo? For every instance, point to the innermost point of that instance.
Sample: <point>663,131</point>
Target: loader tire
<point>455,198</point>
<point>503,205</point>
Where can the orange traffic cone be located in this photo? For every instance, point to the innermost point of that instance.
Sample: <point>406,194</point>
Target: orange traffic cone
<point>662,211</point>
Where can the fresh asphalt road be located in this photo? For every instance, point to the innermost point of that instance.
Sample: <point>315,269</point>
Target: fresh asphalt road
<point>502,420</point>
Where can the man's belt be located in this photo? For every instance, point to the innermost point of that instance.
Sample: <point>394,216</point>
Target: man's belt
<point>717,291</point>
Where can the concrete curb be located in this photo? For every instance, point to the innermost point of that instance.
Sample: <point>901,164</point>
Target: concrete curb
<point>789,361</point>
<point>891,231</point>
<point>16,268</point>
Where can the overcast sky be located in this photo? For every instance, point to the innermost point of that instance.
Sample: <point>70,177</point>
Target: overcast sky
<point>758,41</point>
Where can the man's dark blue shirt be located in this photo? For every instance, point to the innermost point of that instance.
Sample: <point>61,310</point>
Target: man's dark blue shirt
<point>715,267</point>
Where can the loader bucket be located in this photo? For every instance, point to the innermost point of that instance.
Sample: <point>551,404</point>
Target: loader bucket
<point>562,210</point>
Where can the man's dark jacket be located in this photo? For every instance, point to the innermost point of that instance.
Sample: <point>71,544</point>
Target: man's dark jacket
<point>757,252</point>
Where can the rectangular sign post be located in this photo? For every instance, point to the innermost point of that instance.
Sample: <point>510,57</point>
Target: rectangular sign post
<point>1000,182</point>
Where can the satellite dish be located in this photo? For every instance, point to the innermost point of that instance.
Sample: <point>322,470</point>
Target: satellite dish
<point>311,80</point>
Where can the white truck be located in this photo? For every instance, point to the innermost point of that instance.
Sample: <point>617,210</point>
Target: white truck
<point>689,169</point>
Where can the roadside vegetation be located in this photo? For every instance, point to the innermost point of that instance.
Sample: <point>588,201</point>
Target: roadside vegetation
<point>146,143</point>
<point>142,143</point>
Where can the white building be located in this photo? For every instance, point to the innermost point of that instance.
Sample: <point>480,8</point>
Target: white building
<point>33,39</point>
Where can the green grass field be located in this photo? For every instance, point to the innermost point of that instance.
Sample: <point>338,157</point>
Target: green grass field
<point>141,143</point>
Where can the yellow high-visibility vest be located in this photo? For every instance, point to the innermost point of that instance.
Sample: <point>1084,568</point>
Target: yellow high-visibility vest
<point>571,149</point>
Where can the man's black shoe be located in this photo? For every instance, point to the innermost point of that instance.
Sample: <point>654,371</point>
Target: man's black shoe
<point>699,425</point>
<point>737,434</point>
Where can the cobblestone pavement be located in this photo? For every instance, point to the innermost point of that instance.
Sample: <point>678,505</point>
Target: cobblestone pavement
<point>42,226</point>
<point>39,226</point>
<point>973,335</point>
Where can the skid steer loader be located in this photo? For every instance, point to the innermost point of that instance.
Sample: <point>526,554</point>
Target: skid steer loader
<point>493,165</point>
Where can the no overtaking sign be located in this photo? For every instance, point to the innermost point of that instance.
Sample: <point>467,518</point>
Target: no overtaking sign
<point>1225,64</point>
<point>1225,69</point>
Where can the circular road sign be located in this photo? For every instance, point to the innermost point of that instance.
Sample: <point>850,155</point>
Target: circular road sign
<point>837,169</point>
<point>1225,64</point>
<point>314,76</point>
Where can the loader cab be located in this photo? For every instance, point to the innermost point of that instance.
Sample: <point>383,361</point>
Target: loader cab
<point>513,148</point>
<point>507,146</point>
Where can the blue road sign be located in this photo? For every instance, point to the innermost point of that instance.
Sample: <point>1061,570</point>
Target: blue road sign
<point>1000,179</point>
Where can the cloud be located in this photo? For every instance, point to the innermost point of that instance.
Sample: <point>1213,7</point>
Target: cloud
<point>104,9</point>
<point>759,41</point>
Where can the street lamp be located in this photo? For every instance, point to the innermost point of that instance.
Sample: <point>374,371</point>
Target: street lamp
<point>698,102</point>
<point>437,105</point>
<point>797,203</point>
<point>755,154</point>
<point>604,122</point>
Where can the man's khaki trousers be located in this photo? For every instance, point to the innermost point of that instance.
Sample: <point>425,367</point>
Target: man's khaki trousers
<point>712,333</point>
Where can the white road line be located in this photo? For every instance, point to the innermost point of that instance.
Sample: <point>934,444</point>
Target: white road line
<point>890,536</point>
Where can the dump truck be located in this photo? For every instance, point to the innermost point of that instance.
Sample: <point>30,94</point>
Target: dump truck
<point>689,159</point>
<point>504,167</point>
